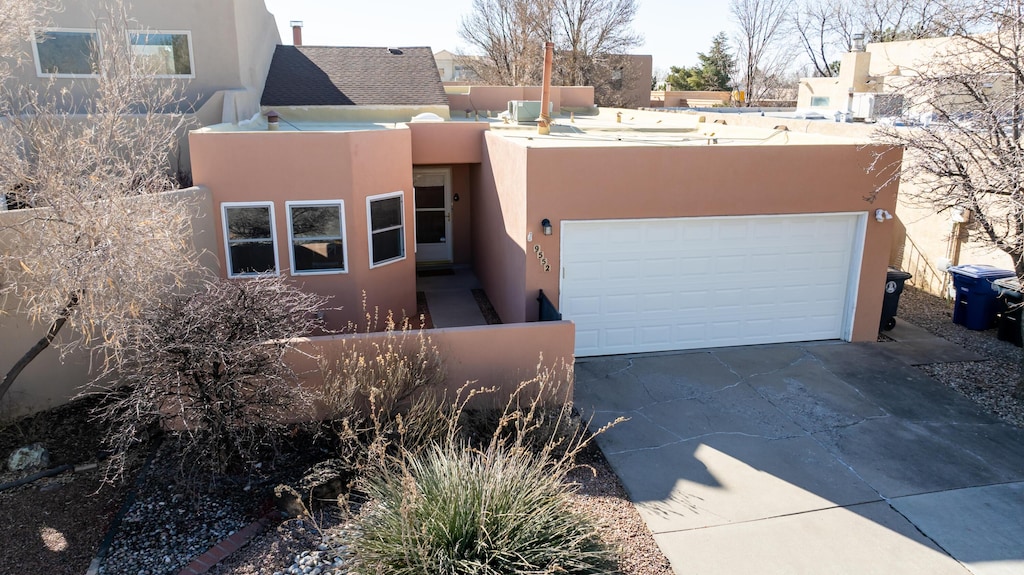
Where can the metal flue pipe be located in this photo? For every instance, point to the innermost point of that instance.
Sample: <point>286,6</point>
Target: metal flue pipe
<point>544,124</point>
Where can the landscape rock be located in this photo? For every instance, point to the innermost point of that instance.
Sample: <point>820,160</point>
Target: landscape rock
<point>28,457</point>
<point>320,485</point>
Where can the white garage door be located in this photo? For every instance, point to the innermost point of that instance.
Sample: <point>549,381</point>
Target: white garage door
<point>686,283</point>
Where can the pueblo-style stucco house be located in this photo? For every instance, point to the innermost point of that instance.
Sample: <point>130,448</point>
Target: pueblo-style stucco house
<point>647,231</point>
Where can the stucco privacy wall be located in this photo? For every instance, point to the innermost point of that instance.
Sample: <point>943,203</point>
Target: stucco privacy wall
<point>51,380</point>
<point>349,166</point>
<point>470,354</point>
<point>496,98</point>
<point>645,182</point>
<point>499,226</point>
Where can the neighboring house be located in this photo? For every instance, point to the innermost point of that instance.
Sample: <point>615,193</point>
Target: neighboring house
<point>871,78</point>
<point>353,83</point>
<point>452,68</point>
<point>219,51</point>
<point>649,231</point>
<point>866,89</point>
<point>630,85</point>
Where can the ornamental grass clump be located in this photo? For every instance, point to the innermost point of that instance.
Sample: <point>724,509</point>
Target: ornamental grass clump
<point>491,497</point>
<point>453,510</point>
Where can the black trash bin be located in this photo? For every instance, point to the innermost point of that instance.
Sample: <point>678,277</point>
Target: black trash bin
<point>894,280</point>
<point>1012,294</point>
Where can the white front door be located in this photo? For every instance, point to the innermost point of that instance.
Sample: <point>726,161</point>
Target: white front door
<point>433,190</point>
<point>683,283</point>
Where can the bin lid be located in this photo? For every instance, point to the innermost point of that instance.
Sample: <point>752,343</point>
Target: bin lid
<point>978,271</point>
<point>895,274</point>
<point>1008,286</point>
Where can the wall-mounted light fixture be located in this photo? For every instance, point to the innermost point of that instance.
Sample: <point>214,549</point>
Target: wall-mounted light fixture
<point>882,215</point>
<point>545,225</point>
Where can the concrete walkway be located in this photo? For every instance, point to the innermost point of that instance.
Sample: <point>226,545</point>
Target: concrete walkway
<point>808,459</point>
<point>450,298</point>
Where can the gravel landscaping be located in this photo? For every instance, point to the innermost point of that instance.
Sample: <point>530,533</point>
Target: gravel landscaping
<point>55,525</point>
<point>990,383</point>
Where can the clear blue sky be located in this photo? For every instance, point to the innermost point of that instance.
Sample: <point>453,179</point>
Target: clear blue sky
<point>674,30</point>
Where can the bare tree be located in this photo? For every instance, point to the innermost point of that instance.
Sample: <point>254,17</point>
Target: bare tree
<point>96,246</point>
<point>972,155</point>
<point>211,366</point>
<point>506,33</point>
<point>825,29</point>
<point>760,28</point>
<point>587,34</point>
<point>591,40</point>
<point>17,19</point>
<point>891,20</point>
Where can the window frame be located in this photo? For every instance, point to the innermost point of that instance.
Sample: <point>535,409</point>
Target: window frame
<point>191,55</point>
<point>370,231</point>
<point>36,32</point>
<point>340,205</point>
<point>224,206</point>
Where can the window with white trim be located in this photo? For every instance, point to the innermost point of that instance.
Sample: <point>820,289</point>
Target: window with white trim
<point>249,238</point>
<point>316,231</point>
<point>66,52</point>
<point>163,54</point>
<point>385,217</point>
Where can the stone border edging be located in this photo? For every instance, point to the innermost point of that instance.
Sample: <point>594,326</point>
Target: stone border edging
<point>232,543</point>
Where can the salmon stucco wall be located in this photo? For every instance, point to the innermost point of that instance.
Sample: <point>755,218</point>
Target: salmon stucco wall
<point>348,166</point>
<point>469,353</point>
<point>462,215</point>
<point>447,142</point>
<point>499,226</point>
<point>648,182</point>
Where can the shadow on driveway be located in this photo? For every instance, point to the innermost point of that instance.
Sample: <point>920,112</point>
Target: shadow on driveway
<point>809,458</point>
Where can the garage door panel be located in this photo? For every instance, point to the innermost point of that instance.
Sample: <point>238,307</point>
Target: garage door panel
<point>683,283</point>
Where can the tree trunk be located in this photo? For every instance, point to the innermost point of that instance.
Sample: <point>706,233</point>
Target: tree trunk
<point>35,350</point>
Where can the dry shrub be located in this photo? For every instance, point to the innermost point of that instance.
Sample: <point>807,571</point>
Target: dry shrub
<point>210,366</point>
<point>382,390</point>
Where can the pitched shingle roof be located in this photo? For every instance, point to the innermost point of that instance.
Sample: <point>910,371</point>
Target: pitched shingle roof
<point>350,76</point>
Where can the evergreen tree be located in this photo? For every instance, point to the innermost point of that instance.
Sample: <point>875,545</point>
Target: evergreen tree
<point>713,71</point>
<point>717,66</point>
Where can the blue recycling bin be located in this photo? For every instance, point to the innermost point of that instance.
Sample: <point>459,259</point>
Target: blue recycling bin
<point>977,302</point>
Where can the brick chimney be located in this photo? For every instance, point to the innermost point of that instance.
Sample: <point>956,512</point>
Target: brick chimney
<point>296,32</point>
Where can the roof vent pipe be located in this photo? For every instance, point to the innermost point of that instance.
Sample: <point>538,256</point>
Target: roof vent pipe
<point>296,32</point>
<point>544,123</point>
<point>858,43</point>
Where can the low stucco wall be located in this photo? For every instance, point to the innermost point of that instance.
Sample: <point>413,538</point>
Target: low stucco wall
<point>688,98</point>
<point>483,356</point>
<point>484,99</point>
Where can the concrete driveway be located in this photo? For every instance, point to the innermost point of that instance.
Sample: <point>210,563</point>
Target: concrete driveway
<point>809,458</point>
